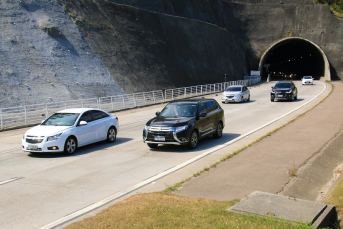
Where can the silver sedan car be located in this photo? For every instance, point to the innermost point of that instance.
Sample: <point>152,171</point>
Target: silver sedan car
<point>236,93</point>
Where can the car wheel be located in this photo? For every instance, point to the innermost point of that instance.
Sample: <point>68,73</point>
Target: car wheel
<point>111,134</point>
<point>193,141</point>
<point>296,97</point>
<point>70,145</point>
<point>219,131</point>
<point>242,99</point>
<point>272,100</point>
<point>248,98</point>
<point>152,145</point>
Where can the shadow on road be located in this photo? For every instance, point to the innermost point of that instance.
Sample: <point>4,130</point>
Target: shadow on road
<point>92,148</point>
<point>204,144</point>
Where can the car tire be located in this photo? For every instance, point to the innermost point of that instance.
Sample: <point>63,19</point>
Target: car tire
<point>193,140</point>
<point>272,100</point>
<point>152,145</point>
<point>70,145</point>
<point>248,98</point>
<point>219,131</point>
<point>111,134</point>
<point>242,99</point>
<point>296,97</point>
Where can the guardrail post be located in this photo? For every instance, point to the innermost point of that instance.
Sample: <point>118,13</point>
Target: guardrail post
<point>153,96</point>
<point>134,100</point>
<point>144,98</point>
<point>185,92</point>
<point>1,125</point>
<point>25,114</point>
<point>123,101</point>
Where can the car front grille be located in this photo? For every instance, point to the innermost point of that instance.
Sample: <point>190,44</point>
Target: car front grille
<point>160,129</point>
<point>34,139</point>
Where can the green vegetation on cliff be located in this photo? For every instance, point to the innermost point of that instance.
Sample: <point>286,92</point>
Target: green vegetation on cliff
<point>335,5</point>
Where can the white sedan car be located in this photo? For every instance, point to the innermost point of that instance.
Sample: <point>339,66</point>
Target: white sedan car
<point>69,129</point>
<point>236,93</point>
<point>307,80</point>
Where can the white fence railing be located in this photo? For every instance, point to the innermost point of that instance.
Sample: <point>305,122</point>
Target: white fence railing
<point>32,114</point>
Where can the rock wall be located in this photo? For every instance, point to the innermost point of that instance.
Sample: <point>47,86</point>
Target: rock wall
<point>44,58</point>
<point>260,23</point>
<point>146,50</point>
<point>73,49</point>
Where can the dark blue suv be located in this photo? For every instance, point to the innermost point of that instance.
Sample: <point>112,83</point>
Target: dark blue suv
<point>184,122</point>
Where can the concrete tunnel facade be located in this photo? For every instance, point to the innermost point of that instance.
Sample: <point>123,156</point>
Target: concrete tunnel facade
<point>296,56</point>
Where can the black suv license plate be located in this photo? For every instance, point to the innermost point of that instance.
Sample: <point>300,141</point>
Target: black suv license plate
<point>159,138</point>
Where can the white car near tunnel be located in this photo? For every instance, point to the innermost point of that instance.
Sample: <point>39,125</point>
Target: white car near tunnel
<point>307,80</point>
<point>69,129</point>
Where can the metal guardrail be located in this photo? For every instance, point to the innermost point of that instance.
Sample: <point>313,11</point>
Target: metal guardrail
<point>26,115</point>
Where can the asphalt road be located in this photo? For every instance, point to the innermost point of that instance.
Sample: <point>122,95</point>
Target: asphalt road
<point>38,191</point>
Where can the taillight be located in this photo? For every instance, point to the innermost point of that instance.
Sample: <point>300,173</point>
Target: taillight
<point>117,118</point>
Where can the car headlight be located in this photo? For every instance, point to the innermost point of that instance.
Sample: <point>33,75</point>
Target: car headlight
<point>147,128</point>
<point>54,137</point>
<point>181,128</point>
<point>290,91</point>
<point>223,96</point>
<point>238,95</point>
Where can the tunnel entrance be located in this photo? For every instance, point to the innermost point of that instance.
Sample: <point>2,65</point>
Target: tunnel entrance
<point>293,58</point>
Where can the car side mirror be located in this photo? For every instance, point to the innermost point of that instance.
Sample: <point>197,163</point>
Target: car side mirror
<point>157,113</point>
<point>202,114</point>
<point>83,123</point>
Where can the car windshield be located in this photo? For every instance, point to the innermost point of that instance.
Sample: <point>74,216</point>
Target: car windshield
<point>179,110</point>
<point>61,119</point>
<point>307,77</point>
<point>282,85</point>
<point>234,89</point>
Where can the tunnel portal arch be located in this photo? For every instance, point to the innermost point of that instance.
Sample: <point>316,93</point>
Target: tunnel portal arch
<point>294,56</point>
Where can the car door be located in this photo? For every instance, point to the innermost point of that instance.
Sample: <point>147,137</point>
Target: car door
<point>204,122</point>
<point>86,134</point>
<point>212,112</point>
<point>245,93</point>
<point>100,125</point>
<point>294,90</point>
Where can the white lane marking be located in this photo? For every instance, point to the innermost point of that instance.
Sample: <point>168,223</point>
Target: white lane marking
<point>165,173</point>
<point>10,180</point>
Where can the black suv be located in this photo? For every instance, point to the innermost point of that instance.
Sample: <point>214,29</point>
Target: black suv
<point>184,122</point>
<point>284,90</point>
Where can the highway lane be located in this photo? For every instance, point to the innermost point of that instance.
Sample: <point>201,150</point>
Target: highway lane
<point>46,188</point>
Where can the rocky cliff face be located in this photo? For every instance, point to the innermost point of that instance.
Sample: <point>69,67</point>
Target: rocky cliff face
<point>44,58</point>
<point>147,50</point>
<point>260,23</point>
<point>72,49</point>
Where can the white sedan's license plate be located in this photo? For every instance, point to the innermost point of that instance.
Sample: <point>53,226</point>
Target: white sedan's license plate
<point>159,138</point>
<point>32,147</point>
<point>279,95</point>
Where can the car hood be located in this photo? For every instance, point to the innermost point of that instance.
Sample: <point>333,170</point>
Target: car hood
<point>46,130</point>
<point>169,121</point>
